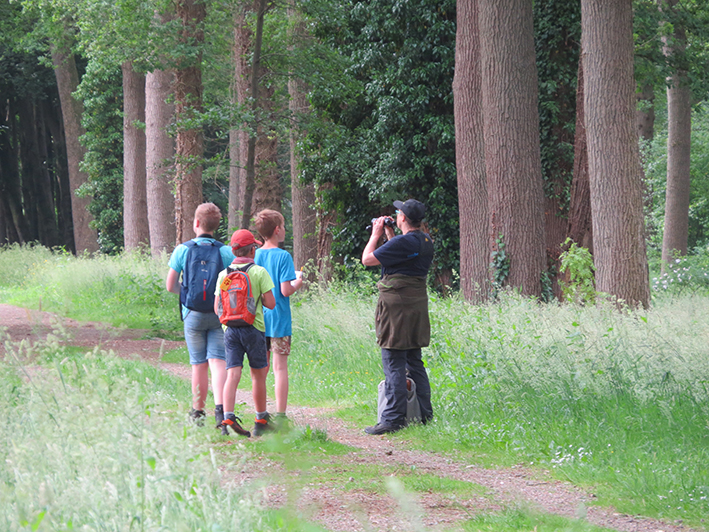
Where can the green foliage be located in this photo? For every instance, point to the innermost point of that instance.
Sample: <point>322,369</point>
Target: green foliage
<point>384,130</point>
<point>577,263</point>
<point>557,34</point>
<point>101,91</point>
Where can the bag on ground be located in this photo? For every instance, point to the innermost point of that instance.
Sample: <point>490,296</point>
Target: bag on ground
<point>413,409</point>
<point>203,264</point>
<point>236,304</point>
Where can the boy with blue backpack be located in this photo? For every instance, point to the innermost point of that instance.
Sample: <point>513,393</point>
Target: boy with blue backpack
<point>200,261</point>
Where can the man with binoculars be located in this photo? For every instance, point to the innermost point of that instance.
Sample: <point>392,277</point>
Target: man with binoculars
<point>402,323</point>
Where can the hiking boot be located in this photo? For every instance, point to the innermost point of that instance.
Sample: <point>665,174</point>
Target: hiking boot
<point>197,417</point>
<point>219,417</point>
<point>234,423</point>
<point>262,426</point>
<point>382,428</point>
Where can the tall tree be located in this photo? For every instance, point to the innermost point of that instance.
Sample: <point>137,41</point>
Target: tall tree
<point>511,128</point>
<point>85,238</point>
<point>470,155</point>
<point>613,155</point>
<point>679,120</point>
<point>305,243</point>
<point>160,150</point>
<point>135,204</point>
<point>188,104</point>
<point>239,137</point>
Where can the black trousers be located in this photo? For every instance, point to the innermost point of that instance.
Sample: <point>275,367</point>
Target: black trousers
<point>395,363</point>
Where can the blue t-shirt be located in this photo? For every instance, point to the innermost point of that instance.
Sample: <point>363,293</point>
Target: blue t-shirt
<point>409,254</point>
<point>177,260</point>
<point>279,265</point>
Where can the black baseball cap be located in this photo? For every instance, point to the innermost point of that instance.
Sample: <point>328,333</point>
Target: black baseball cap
<point>414,210</point>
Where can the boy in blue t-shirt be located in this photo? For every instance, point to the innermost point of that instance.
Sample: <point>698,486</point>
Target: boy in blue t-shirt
<point>203,332</point>
<point>279,264</point>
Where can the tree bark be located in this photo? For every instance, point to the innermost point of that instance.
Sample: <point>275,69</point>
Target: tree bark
<point>679,120</point>
<point>470,156</point>
<point>511,127</point>
<point>188,103</point>
<point>159,152</point>
<point>305,242</point>
<point>85,238</point>
<point>135,202</point>
<point>613,154</point>
<point>645,112</point>
<point>268,193</point>
<point>580,228</point>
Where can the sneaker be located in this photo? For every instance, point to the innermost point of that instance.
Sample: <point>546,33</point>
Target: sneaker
<point>219,417</point>
<point>382,428</point>
<point>197,416</point>
<point>234,423</point>
<point>262,426</point>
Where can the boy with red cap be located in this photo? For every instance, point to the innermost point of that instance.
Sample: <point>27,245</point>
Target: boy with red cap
<point>248,339</point>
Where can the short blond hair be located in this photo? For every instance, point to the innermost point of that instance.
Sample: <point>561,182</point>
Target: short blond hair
<point>209,217</point>
<point>267,221</point>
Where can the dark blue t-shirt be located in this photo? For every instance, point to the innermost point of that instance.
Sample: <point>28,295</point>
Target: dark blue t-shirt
<point>409,254</point>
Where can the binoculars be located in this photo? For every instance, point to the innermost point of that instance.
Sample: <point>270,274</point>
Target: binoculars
<point>388,222</point>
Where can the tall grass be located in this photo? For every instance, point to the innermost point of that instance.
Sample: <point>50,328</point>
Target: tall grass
<point>124,291</point>
<point>614,400</point>
<point>93,442</point>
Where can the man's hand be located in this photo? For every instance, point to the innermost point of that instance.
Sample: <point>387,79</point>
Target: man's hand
<point>368,258</point>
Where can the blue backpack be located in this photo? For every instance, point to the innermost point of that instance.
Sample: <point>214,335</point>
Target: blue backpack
<point>203,263</point>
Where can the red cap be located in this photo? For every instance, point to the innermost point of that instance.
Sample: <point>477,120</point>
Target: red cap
<point>242,238</point>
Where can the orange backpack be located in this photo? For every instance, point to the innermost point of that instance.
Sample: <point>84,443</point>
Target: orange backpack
<point>236,303</point>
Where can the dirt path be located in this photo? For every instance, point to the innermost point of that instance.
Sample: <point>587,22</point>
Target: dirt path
<point>352,510</point>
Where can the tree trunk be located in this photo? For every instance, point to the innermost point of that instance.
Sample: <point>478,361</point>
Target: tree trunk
<point>580,228</point>
<point>249,182</point>
<point>85,238</point>
<point>188,103</point>
<point>268,193</point>
<point>470,156</point>
<point>511,128</point>
<point>159,152</point>
<point>135,203</point>
<point>613,155</point>
<point>645,112</point>
<point>239,138</point>
<point>305,243</point>
<point>679,120</point>
<point>47,212</point>
<point>10,188</point>
<point>60,181</point>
